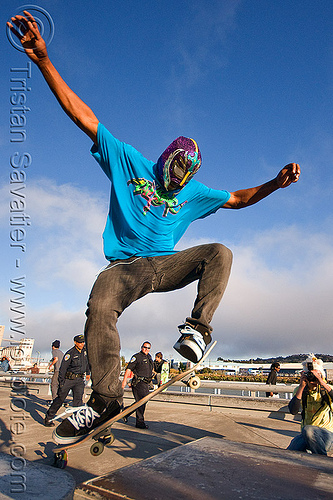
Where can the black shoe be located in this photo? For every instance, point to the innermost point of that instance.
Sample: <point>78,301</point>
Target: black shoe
<point>84,420</point>
<point>142,426</point>
<point>48,423</point>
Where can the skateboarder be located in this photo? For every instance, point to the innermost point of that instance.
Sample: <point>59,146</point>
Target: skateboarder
<point>151,206</point>
<point>141,364</point>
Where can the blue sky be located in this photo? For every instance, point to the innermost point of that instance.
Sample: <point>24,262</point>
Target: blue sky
<point>252,82</point>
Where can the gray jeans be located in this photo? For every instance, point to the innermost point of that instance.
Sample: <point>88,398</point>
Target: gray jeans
<point>54,384</point>
<point>125,281</point>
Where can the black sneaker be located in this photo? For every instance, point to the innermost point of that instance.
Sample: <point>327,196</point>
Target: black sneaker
<point>191,344</point>
<point>83,421</point>
<point>140,425</point>
<point>48,422</point>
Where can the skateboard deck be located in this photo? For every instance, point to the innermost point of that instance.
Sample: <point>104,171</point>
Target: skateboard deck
<point>103,435</point>
<point>165,373</point>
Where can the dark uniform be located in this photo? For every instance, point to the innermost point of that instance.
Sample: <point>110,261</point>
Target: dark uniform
<point>142,366</point>
<point>71,376</point>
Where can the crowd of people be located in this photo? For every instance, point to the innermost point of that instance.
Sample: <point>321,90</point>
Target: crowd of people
<point>71,370</point>
<point>313,398</point>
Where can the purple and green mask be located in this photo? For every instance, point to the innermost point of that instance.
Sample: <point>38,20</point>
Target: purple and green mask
<point>178,163</point>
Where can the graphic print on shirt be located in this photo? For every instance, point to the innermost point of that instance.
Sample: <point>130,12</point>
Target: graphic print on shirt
<point>155,196</point>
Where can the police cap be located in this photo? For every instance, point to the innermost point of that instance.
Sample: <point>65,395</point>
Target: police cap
<point>79,338</point>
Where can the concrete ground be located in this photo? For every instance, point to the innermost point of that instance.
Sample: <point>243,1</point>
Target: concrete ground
<point>170,425</point>
<point>218,469</point>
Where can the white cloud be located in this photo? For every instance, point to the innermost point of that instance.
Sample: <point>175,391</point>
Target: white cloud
<point>278,300</point>
<point>67,223</point>
<point>54,322</point>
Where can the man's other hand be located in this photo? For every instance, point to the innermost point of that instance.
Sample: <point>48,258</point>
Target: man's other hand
<point>289,174</point>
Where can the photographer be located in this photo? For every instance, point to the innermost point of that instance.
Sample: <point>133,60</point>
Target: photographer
<point>315,397</point>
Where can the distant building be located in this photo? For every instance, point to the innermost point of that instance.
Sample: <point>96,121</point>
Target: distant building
<point>19,352</point>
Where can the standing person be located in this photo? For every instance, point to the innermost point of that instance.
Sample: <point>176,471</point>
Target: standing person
<point>55,363</point>
<point>4,364</point>
<point>272,378</point>
<point>160,366</point>
<point>73,369</point>
<point>34,369</point>
<point>314,396</point>
<point>151,206</point>
<point>141,364</point>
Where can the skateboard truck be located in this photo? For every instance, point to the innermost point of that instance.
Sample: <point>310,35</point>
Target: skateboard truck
<point>193,382</point>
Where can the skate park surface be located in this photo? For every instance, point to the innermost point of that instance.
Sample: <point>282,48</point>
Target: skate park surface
<point>192,450</point>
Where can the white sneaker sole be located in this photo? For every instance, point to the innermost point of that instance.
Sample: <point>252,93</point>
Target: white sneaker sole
<point>189,350</point>
<point>66,440</point>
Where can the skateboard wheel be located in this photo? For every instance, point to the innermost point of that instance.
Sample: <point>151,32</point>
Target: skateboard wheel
<point>97,448</point>
<point>60,459</point>
<point>194,382</point>
<point>108,440</point>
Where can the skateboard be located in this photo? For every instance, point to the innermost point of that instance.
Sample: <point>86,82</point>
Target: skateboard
<point>102,435</point>
<point>165,373</point>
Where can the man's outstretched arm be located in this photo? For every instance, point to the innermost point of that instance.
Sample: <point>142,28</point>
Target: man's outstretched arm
<point>35,49</point>
<point>246,197</point>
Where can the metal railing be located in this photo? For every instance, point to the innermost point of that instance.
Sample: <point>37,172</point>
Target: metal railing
<point>40,383</point>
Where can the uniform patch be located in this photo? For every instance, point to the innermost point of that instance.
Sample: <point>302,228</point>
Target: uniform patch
<point>133,359</point>
<point>67,356</point>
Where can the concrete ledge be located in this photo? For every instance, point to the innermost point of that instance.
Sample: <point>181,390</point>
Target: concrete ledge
<point>211,469</point>
<point>24,480</point>
<point>31,386</point>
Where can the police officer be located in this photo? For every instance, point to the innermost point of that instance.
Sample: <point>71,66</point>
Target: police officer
<point>72,371</point>
<point>141,364</point>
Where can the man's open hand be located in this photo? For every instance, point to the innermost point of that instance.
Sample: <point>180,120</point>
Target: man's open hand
<point>28,33</point>
<point>289,174</point>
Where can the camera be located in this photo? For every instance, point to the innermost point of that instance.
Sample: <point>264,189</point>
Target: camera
<point>309,375</point>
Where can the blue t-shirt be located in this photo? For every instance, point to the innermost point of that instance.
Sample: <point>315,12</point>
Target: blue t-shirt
<point>145,220</point>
